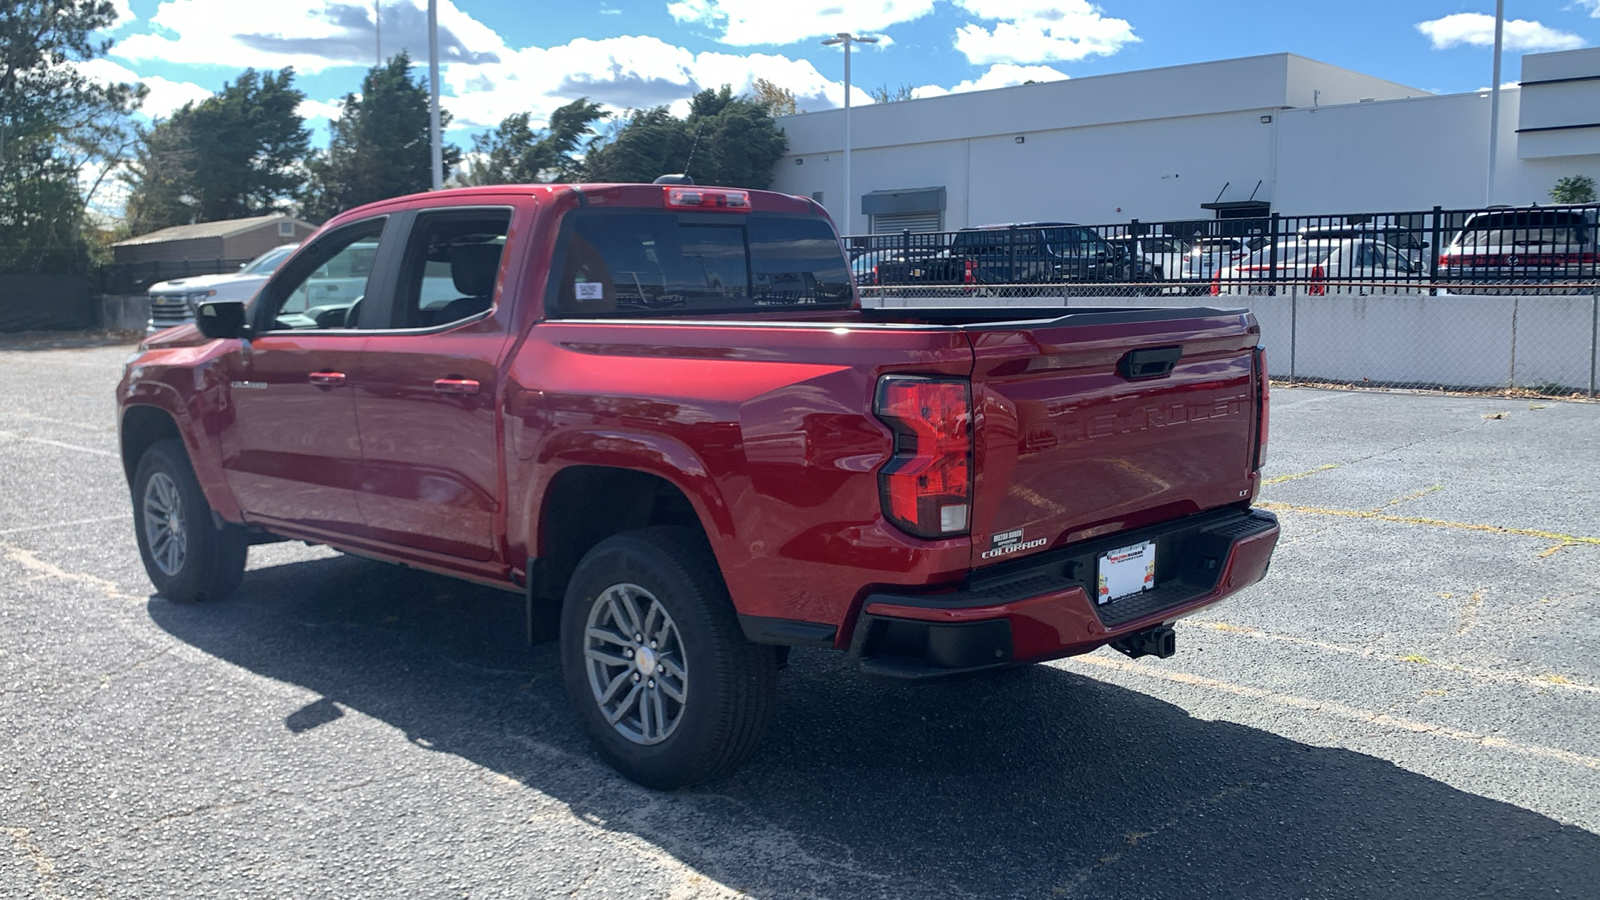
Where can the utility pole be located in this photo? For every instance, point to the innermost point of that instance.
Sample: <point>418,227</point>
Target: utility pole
<point>846,38</point>
<point>377,30</point>
<point>433,107</point>
<point>1494,101</point>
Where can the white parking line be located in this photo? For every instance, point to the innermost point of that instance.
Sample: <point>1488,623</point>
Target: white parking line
<point>63,524</point>
<point>65,446</point>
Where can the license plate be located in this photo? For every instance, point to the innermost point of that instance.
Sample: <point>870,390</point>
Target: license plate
<point>916,273</point>
<point>1127,571</point>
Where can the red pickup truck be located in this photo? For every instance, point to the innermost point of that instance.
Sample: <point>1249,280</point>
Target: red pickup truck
<point>661,414</point>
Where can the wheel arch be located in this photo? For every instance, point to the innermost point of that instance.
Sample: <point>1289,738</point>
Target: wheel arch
<point>570,520</point>
<point>144,424</point>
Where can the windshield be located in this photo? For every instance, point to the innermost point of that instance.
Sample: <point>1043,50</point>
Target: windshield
<point>268,262</point>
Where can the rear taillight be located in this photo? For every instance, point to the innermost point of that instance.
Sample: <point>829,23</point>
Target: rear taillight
<point>1263,403</point>
<point>1319,279</point>
<point>970,275</point>
<point>874,275</point>
<point>926,486</point>
<point>1446,260</point>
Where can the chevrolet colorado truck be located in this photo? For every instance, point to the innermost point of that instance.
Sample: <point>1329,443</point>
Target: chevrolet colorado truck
<point>661,415</point>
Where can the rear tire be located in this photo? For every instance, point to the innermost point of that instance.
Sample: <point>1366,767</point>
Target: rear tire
<point>188,558</point>
<point>656,667</point>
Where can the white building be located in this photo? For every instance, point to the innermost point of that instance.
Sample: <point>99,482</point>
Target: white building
<point>1234,138</point>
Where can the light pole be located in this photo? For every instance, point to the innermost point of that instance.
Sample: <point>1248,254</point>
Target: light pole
<point>846,38</point>
<point>1494,100</point>
<point>433,108</point>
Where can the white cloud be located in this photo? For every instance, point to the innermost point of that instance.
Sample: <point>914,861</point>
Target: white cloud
<point>1031,31</point>
<point>999,75</point>
<point>485,80</point>
<point>317,109</point>
<point>165,96</point>
<point>622,73</point>
<point>311,35</point>
<point>748,22</point>
<point>1477,30</point>
<point>125,14</point>
<point>1593,6</point>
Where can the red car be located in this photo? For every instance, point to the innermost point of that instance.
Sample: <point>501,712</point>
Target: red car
<point>661,414</point>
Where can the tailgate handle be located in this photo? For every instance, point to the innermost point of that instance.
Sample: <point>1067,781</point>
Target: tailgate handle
<point>1153,362</point>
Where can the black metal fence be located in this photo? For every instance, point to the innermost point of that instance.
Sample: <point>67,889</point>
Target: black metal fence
<point>136,278</point>
<point>1543,249</point>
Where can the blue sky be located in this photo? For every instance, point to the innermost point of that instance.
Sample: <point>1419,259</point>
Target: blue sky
<point>507,56</point>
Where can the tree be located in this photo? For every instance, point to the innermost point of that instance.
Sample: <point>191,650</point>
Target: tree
<point>238,153</point>
<point>55,126</point>
<point>161,176</point>
<point>778,101</point>
<point>725,140</point>
<point>379,146</point>
<point>513,153</point>
<point>885,94</point>
<point>1573,189</point>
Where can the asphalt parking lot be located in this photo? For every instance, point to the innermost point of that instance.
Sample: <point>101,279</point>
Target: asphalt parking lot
<point>1408,707</point>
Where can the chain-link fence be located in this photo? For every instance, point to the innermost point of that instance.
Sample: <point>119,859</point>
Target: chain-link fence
<point>1366,334</point>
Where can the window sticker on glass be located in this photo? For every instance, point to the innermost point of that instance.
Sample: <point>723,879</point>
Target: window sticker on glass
<point>589,290</point>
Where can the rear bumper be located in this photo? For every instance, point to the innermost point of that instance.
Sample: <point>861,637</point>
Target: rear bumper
<point>1041,608</point>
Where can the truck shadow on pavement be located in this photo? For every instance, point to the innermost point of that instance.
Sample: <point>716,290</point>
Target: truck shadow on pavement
<point>1032,783</point>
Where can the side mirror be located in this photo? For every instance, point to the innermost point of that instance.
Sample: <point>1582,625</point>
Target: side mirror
<point>222,319</point>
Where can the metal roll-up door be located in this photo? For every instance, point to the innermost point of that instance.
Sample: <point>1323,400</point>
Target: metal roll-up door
<point>894,223</point>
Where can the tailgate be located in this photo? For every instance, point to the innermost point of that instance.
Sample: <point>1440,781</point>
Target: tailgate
<point>1074,444</point>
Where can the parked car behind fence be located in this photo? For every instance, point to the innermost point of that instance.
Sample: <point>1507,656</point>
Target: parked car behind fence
<point>1553,249</point>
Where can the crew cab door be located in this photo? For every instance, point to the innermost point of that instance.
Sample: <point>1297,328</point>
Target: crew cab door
<point>426,396</point>
<point>291,451</point>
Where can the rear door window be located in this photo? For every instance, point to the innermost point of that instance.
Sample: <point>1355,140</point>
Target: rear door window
<point>628,262</point>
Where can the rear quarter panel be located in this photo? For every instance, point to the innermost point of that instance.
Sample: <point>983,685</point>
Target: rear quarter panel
<point>766,429</point>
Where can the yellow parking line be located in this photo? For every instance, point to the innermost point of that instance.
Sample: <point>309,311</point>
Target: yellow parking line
<point>1436,523</point>
<point>1538,681</point>
<point>1280,479</point>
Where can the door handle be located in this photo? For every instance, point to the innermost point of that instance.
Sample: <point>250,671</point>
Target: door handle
<point>326,379</point>
<point>455,386</point>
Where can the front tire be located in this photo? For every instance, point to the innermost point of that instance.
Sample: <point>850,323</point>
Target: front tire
<point>657,670</point>
<point>188,558</point>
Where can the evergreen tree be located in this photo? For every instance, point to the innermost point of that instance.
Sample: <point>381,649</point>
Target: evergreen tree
<point>54,123</point>
<point>379,147</point>
<point>513,153</point>
<point>161,176</point>
<point>238,153</point>
<point>725,140</point>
